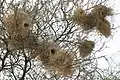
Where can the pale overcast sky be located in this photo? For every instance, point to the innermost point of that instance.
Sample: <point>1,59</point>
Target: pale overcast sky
<point>114,44</point>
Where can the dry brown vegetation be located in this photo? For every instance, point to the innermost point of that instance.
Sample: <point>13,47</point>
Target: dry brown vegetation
<point>86,48</point>
<point>96,18</point>
<point>53,40</point>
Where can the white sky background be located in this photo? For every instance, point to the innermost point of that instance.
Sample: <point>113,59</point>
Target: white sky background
<point>114,45</point>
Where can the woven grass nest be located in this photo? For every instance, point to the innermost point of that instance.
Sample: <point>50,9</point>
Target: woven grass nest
<point>79,16</point>
<point>86,21</point>
<point>103,27</point>
<point>44,50</point>
<point>86,48</point>
<point>30,42</point>
<point>61,62</point>
<point>53,58</point>
<point>90,22</point>
<point>17,22</point>
<point>101,11</point>
<point>96,18</point>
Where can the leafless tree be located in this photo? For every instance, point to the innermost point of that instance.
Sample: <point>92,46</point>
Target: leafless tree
<point>52,20</point>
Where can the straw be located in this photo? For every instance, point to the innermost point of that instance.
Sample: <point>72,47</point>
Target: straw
<point>86,48</point>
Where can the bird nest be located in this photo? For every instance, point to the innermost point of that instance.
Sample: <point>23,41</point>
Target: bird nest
<point>30,42</point>
<point>61,62</point>
<point>79,16</point>
<point>103,27</point>
<point>90,22</point>
<point>44,50</point>
<point>51,56</point>
<point>101,11</point>
<point>86,48</point>
<point>86,21</point>
<point>17,22</point>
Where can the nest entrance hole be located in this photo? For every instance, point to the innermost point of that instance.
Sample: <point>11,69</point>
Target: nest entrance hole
<point>26,25</point>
